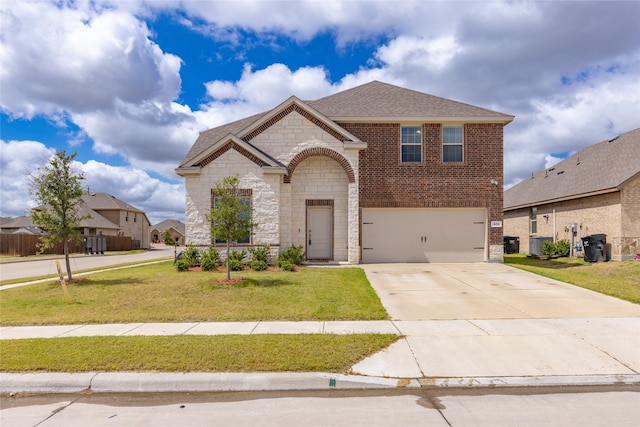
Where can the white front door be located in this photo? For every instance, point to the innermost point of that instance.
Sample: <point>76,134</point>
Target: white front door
<point>320,232</point>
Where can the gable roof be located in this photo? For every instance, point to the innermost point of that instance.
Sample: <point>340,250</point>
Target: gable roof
<point>600,168</point>
<point>105,201</point>
<point>96,220</point>
<point>169,223</point>
<point>373,101</point>
<point>385,101</point>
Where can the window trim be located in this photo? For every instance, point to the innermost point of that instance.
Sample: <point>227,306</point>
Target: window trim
<point>451,144</point>
<point>403,144</point>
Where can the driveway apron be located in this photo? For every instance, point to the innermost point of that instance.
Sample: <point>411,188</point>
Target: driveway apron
<point>492,320</point>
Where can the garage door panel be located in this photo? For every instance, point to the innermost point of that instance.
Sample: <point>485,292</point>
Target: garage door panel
<point>423,235</point>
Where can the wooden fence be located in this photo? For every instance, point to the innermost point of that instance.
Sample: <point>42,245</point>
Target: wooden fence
<point>25,245</point>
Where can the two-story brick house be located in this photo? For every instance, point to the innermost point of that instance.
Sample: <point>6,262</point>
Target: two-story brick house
<point>376,173</point>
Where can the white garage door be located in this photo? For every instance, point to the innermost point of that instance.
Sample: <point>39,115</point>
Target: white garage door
<point>423,235</point>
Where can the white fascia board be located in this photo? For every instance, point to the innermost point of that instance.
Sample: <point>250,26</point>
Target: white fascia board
<point>192,170</point>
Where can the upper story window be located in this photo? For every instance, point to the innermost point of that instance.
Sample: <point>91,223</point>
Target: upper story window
<point>452,144</point>
<point>411,144</point>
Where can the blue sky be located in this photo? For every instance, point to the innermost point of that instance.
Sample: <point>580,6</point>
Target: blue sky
<point>129,84</point>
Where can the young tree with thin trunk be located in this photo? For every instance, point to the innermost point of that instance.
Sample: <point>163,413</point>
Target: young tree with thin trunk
<point>230,215</point>
<point>58,192</point>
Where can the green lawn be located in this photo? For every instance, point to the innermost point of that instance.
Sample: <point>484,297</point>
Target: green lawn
<point>184,353</point>
<point>618,279</point>
<point>158,293</point>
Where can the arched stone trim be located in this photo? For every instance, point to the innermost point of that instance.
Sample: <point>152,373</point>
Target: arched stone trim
<point>228,146</point>
<point>319,151</point>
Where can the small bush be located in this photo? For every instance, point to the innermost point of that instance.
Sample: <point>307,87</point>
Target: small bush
<point>236,265</point>
<point>260,253</point>
<point>192,255</point>
<point>286,265</point>
<point>258,265</point>
<point>238,256</point>
<point>293,254</point>
<point>182,264</point>
<point>207,264</point>
<point>210,259</point>
<point>559,249</point>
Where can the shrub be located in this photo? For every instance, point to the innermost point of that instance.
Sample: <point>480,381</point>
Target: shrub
<point>286,265</point>
<point>192,255</point>
<point>293,254</point>
<point>260,253</point>
<point>182,264</point>
<point>210,259</point>
<point>207,264</point>
<point>236,265</point>
<point>560,248</point>
<point>237,256</point>
<point>258,265</point>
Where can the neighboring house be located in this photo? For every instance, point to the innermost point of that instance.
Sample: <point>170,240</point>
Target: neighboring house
<point>29,230</point>
<point>377,173</point>
<point>129,220</point>
<point>596,189</point>
<point>176,230</point>
<point>108,216</point>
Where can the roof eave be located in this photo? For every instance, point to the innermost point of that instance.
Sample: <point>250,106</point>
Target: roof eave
<point>561,199</point>
<point>188,170</point>
<point>441,119</point>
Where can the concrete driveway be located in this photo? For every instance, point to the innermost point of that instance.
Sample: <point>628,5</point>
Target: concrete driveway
<point>490,320</point>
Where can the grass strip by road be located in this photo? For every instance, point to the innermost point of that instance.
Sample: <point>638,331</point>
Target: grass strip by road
<point>183,353</point>
<point>617,279</point>
<point>158,293</point>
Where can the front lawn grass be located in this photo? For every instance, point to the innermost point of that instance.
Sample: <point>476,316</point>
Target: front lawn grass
<point>618,279</point>
<point>158,293</point>
<point>196,353</point>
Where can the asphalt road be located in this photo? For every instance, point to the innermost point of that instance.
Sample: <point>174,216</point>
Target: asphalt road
<point>24,269</point>
<point>586,407</point>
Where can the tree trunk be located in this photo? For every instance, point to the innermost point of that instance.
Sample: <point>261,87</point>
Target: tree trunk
<point>66,259</point>
<point>228,262</point>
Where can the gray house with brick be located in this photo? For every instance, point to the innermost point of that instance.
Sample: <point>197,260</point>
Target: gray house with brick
<point>376,173</point>
<point>597,189</point>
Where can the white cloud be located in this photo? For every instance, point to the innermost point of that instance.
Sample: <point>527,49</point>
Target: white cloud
<point>78,60</point>
<point>160,200</point>
<point>19,159</point>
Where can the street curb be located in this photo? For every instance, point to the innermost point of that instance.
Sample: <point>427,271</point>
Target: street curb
<point>146,382</point>
<point>533,381</point>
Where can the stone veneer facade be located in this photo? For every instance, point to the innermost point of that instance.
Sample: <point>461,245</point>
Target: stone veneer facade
<point>321,168</point>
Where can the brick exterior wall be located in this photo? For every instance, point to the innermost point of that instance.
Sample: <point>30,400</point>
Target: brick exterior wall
<point>387,182</point>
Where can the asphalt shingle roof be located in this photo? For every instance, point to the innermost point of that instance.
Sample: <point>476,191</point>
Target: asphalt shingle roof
<point>600,167</point>
<point>375,100</point>
<point>169,223</point>
<point>378,99</point>
<point>105,201</point>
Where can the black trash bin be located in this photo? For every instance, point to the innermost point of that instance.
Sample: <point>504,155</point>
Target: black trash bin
<point>511,244</point>
<point>595,247</point>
